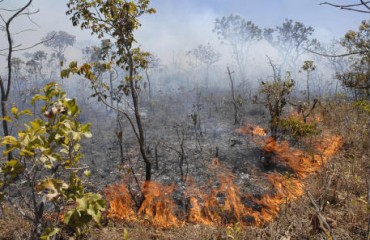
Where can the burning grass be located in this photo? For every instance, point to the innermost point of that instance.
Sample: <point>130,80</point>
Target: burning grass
<point>220,201</point>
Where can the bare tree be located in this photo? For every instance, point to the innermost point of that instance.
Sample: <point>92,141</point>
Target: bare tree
<point>6,84</point>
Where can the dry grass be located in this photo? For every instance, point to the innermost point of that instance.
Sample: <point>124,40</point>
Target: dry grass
<point>340,189</point>
<point>12,226</point>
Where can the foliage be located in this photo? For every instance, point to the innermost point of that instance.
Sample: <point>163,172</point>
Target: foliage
<point>291,39</point>
<point>357,78</point>
<point>364,105</point>
<point>59,41</point>
<point>47,150</point>
<point>296,128</point>
<point>205,54</point>
<point>239,34</point>
<point>308,67</point>
<point>276,97</point>
<point>117,20</point>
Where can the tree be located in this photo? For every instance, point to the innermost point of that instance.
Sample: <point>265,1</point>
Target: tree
<point>117,20</point>
<point>45,150</point>
<point>59,41</point>
<point>235,100</point>
<point>5,84</point>
<point>240,34</point>
<point>308,67</point>
<point>291,39</point>
<point>276,96</point>
<point>206,55</point>
<point>153,62</point>
<point>357,77</point>
<point>97,55</point>
<point>21,83</point>
<point>36,64</point>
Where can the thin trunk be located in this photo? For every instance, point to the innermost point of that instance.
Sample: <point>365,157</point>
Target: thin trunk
<point>111,87</point>
<point>6,91</point>
<point>149,87</point>
<point>308,87</point>
<point>135,99</point>
<point>236,109</point>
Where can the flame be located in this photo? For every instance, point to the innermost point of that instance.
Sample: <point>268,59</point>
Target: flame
<point>122,205</point>
<point>301,162</point>
<point>220,201</point>
<point>222,204</point>
<point>158,205</point>
<point>251,129</point>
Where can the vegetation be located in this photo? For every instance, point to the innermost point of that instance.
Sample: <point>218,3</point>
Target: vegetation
<point>44,170</point>
<point>176,151</point>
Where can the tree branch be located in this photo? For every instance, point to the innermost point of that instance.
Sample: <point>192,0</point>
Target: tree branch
<point>320,216</point>
<point>29,47</point>
<point>350,7</point>
<point>10,44</point>
<point>339,55</point>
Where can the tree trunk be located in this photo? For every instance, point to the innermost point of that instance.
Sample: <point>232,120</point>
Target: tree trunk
<point>135,100</point>
<point>236,109</point>
<point>4,113</point>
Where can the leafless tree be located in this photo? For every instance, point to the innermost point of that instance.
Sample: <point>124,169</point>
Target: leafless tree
<point>5,84</point>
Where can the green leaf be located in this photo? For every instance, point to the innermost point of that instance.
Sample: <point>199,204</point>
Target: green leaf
<point>49,232</point>
<point>38,97</point>
<point>9,140</point>
<point>125,234</point>
<point>14,110</point>
<point>6,118</point>
<point>12,168</point>
<point>87,173</point>
<point>93,204</point>
<point>25,112</point>
<point>27,153</point>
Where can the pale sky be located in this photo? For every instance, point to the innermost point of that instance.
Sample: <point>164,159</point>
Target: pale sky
<point>181,25</point>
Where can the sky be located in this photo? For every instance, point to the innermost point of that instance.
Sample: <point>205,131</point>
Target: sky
<point>180,25</point>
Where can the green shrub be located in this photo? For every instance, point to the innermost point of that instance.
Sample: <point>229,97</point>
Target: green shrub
<point>43,178</point>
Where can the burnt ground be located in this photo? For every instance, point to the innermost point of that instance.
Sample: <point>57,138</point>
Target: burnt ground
<point>169,129</point>
<point>168,122</point>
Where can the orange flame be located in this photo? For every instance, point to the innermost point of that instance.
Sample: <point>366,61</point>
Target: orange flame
<point>158,205</point>
<point>253,130</point>
<point>301,162</point>
<point>220,202</point>
<point>121,203</point>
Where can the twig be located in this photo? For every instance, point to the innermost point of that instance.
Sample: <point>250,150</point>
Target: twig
<point>350,7</point>
<point>27,48</point>
<point>320,216</point>
<point>340,55</point>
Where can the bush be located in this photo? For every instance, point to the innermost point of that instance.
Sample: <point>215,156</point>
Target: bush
<point>43,178</point>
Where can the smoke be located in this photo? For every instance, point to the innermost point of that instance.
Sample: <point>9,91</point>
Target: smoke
<point>181,25</point>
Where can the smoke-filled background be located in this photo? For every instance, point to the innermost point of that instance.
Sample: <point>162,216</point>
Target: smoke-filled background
<point>189,50</point>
